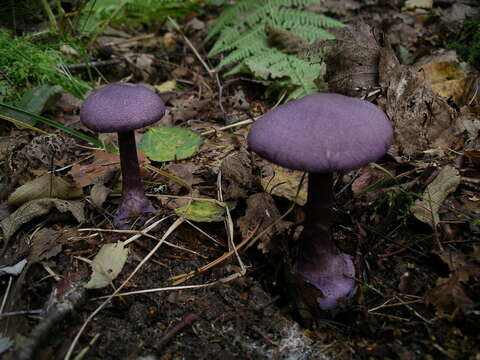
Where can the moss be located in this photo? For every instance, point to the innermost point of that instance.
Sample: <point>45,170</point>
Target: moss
<point>25,63</point>
<point>467,43</point>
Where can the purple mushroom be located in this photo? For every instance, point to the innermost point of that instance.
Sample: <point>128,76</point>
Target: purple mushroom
<point>122,108</point>
<point>320,134</point>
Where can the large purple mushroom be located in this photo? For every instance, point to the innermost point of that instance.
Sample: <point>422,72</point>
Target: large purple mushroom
<point>320,134</point>
<point>122,108</point>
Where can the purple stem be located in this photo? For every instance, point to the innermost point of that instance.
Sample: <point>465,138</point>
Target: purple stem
<point>316,238</point>
<point>319,261</point>
<point>134,202</point>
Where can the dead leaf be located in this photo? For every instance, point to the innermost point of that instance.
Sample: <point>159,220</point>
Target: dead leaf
<point>422,120</point>
<point>418,4</point>
<point>85,174</point>
<point>445,75</point>
<point>14,270</point>
<point>449,295</point>
<point>144,66</point>
<point>68,50</point>
<point>370,179</point>
<point>261,210</point>
<point>107,264</point>
<point>236,171</point>
<point>4,211</point>
<point>426,209</point>
<point>169,85</point>
<point>44,148</point>
<point>99,194</point>
<point>352,63</point>
<point>46,186</point>
<point>44,245</point>
<point>36,208</point>
<point>458,261</point>
<point>284,182</point>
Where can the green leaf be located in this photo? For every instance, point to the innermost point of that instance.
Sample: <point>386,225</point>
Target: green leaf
<point>35,101</point>
<point>165,143</point>
<point>201,211</point>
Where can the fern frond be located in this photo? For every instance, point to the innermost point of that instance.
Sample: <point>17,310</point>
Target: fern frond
<point>244,52</point>
<point>291,18</point>
<point>231,15</point>
<point>312,33</point>
<point>242,30</point>
<point>232,38</point>
<point>269,63</point>
<point>296,3</point>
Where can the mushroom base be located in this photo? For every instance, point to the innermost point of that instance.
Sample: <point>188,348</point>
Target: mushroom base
<point>135,207</point>
<point>327,275</point>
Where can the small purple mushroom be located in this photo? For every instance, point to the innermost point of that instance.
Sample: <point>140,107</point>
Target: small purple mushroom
<point>320,134</point>
<point>122,108</point>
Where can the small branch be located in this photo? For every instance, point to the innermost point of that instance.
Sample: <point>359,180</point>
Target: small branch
<point>188,320</point>
<point>97,63</point>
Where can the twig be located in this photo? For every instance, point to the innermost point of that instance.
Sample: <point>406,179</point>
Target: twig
<point>22,312</point>
<point>173,288</point>
<point>187,321</point>
<point>178,279</point>
<point>97,63</point>
<point>84,351</point>
<point>143,233</point>
<point>390,316</point>
<point>215,241</point>
<point>129,40</point>
<point>406,304</point>
<point>239,123</point>
<point>5,297</point>
<point>189,43</point>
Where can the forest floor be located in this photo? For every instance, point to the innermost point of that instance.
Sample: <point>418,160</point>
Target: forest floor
<point>417,259</point>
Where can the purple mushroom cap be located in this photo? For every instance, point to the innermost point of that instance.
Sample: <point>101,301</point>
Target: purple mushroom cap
<point>121,107</point>
<point>322,133</point>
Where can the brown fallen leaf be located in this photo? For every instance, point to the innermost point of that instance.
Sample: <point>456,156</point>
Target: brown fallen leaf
<point>369,180</point>
<point>352,63</point>
<point>445,75</point>
<point>236,171</point>
<point>46,186</point>
<point>449,295</point>
<point>426,209</point>
<point>103,162</point>
<point>284,182</point>
<point>44,245</point>
<point>36,208</point>
<point>423,120</point>
<point>99,193</point>
<point>261,209</point>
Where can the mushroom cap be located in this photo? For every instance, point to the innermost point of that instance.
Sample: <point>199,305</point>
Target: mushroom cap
<point>322,133</point>
<point>121,107</point>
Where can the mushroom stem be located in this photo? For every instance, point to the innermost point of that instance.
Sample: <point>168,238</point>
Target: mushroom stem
<point>319,215</point>
<point>319,260</point>
<point>134,201</point>
<point>129,161</point>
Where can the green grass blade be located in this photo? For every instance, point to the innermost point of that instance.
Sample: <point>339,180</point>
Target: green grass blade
<point>57,125</point>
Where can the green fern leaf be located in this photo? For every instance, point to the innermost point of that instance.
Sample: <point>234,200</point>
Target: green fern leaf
<point>230,16</point>
<point>241,30</point>
<point>231,39</point>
